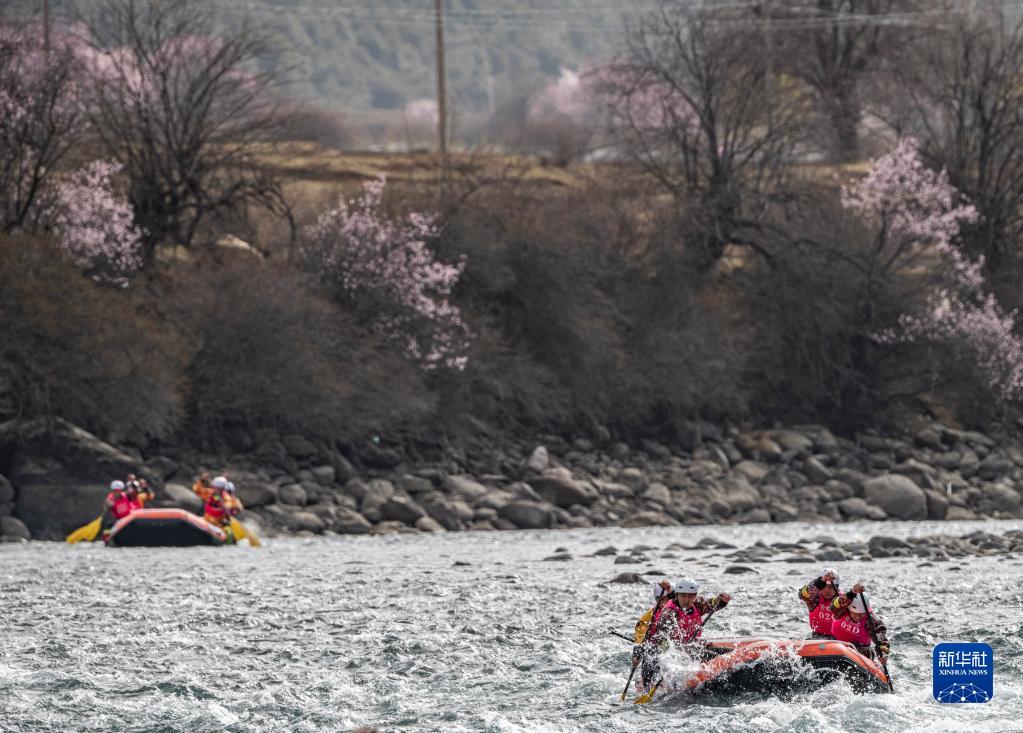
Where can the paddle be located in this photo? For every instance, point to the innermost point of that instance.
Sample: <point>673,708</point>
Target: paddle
<point>240,532</point>
<point>649,694</point>
<point>627,683</point>
<point>88,532</point>
<point>661,600</point>
<point>873,635</point>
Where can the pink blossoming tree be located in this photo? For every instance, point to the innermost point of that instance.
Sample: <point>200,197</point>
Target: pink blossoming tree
<point>94,224</point>
<point>385,268</point>
<point>41,116</point>
<point>915,214</point>
<point>179,109</point>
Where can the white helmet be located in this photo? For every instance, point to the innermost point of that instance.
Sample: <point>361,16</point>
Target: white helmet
<point>659,591</point>
<point>857,606</point>
<point>685,585</point>
<point>832,572</point>
<point>219,482</point>
<point>229,487</point>
<point>117,485</point>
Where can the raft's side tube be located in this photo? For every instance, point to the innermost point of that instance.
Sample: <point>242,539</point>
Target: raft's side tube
<point>164,528</point>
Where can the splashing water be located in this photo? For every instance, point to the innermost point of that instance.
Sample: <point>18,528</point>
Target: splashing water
<point>331,634</point>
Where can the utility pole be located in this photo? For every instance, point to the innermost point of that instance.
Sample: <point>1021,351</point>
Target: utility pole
<point>442,112</point>
<point>46,27</point>
<point>768,64</point>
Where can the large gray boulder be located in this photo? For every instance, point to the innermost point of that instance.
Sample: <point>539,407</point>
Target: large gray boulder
<point>1003,498</point>
<point>428,524</point>
<point>55,504</point>
<point>739,493</point>
<point>13,527</point>
<point>377,492</point>
<point>752,471</point>
<point>415,484</point>
<point>793,440</point>
<point>527,515</point>
<point>633,478</point>
<point>466,487</point>
<point>326,512</point>
<point>181,497</point>
<point>496,499</point>
<point>79,453</point>
<point>441,510</point>
<point>937,505</point>
<point>562,490</point>
<point>347,521</point>
<point>783,512</point>
<point>61,474</point>
<point>995,466</point>
<point>816,471</point>
<point>293,494</point>
<point>462,509</point>
<point>402,509</point>
<point>160,468</point>
<point>343,469</point>
<point>324,475</point>
<point>853,508</point>
<point>757,515</point>
<point>657,493</point>
<point>539,460</point>
<point>255,492</point>
<point>306,521</point>
<point>897,495</point>
<point>355,488</point>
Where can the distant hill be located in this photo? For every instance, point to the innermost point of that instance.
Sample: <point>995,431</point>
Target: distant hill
<point>366,55</point>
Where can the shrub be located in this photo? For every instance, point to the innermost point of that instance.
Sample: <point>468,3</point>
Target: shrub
<point>588,314</point>
<point>91,355</point>
<point>271,355</point>
<point>873,301</point>
<point>383,269</point>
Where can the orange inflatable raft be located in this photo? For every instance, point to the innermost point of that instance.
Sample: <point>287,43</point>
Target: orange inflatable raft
<point>768,665</point>
<point>165,528</point>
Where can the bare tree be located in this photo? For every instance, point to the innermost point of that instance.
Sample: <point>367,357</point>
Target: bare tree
<point>961,86</point>
<point>831,46</point>
<point>180,109</point>
<point>40,122</point>
<point>690,105</point>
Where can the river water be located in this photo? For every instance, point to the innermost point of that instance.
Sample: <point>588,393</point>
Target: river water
<point>397,632</point>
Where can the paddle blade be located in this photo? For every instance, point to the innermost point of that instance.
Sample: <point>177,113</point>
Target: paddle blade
<point>647,696</point>
<point>87,533</point>
<point>241,532</point>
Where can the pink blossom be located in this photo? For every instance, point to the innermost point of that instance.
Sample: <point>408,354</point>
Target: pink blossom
<point>570,96</point>
<point>94,225</point>
<point>387,265</point>
<point>910,201</point>
<point>641,100</point>
<point>41,109</point>
<point>915,212</point>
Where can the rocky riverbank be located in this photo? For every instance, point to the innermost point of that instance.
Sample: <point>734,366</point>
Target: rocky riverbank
<point>57,475</point>
<point>817,551</point>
